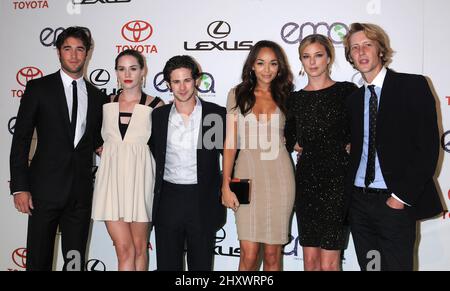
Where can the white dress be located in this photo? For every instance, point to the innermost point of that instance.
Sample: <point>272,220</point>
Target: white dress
<point>125,178</point>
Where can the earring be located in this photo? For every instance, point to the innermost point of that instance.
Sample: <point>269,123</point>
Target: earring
<point>252,73</point>
<point>143,82</point>
<point>119,86</point>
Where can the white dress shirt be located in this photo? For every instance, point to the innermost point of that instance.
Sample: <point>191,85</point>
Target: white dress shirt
<point>182,140</point>
<point>82,104</point>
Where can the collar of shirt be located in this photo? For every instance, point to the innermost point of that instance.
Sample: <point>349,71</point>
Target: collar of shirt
<point>379,79</point>
<point>176,118</point>
<point>67,81</point>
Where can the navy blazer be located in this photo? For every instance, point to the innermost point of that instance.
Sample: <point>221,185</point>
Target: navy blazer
<point>212,212</point>
<point>407,141</point>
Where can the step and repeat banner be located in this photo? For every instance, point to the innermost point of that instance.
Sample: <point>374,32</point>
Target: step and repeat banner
<point>218,34</point>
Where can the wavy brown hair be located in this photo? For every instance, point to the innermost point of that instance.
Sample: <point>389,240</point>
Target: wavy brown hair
<point>280,87</point>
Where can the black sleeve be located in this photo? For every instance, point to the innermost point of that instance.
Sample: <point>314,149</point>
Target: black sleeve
<point>23,133</point>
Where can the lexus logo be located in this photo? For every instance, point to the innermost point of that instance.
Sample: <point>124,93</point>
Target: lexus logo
<point>95,265</point>
<point>12,125</point>
<point>49,35</point>
<point>19,257</point>
<point>137,31</point>
<point>82,2</point>
<point>445,141</point>
<point>100,77</point>
<point>219,29</point>
<point>28,73</point>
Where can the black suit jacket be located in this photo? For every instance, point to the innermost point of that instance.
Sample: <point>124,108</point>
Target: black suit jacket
<point>58,170</point>
<point>407,141</point>
<point>209,179</point>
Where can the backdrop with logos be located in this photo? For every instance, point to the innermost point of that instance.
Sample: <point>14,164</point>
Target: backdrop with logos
<point>218,34</point>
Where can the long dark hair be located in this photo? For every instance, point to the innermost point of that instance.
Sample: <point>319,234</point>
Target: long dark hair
<point>280,87</point>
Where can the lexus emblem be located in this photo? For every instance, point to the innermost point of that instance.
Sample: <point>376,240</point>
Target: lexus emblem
<point>219,29</point>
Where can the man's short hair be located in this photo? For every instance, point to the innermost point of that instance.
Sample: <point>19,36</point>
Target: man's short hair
<point>178,62</point>
<point>81,33</point>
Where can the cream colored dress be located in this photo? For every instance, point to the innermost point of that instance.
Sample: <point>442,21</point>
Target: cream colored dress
<point>263,158</point>
<point>125,178</point>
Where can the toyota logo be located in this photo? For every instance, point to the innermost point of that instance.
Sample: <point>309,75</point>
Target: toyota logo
<point>95,265</point>
<point>445,142</point>
<point>137,31</point>
<point>159,83</point>
<point>12,125</point>
<point>19,257</point>
<point>100,77</point>
<point>219,29</point>
<point>49,35</point>
<point>28,73</point>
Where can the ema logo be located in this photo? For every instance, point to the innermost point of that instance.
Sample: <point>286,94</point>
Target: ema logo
<point>30,5</point>
<point>137,32</point>
<point>293,33</point>
<point>219,29</point>
<point>23,76</point>
<point>49,35</point>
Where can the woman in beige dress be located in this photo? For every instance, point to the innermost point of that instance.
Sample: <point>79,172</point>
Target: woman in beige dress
<point>255,126</point>
<point>123,190</point>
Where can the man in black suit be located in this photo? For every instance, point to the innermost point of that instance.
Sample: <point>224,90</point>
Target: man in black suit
<point>56,188</point>
<point>187,140</point>
<point>394,153</point>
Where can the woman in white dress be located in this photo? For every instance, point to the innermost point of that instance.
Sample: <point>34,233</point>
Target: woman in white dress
<point>124,182</point>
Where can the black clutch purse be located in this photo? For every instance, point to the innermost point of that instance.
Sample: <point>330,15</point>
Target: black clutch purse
<point>241,187</point>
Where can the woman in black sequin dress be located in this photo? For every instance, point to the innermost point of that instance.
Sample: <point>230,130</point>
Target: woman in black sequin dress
<point>317,128</point>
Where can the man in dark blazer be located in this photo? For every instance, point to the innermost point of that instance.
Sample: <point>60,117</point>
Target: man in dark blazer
<point>55,189</point>
<point>394,153</point>
<point>187,140</point>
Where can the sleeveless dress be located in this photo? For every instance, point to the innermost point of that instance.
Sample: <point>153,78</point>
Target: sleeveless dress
<point>124,180</point>
<point>318,121</point>
<point>264,159</point>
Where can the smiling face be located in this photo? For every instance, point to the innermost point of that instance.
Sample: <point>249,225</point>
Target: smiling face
<point>315,60</point>
<point>266,66</point>
<point>182,84</point>
<point>129,72</point>
<point>365,55</point>
<point>72,56</point>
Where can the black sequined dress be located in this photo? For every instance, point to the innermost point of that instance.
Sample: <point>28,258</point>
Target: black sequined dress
<point>317,120</point>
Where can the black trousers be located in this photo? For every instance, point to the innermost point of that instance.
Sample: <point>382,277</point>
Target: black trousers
<point>73,220</point>
<point>178,226</point>
<point>384,238</point>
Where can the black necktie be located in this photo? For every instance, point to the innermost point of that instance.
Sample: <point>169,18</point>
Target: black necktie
<point>373,108</point>
<point>73,122</point>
